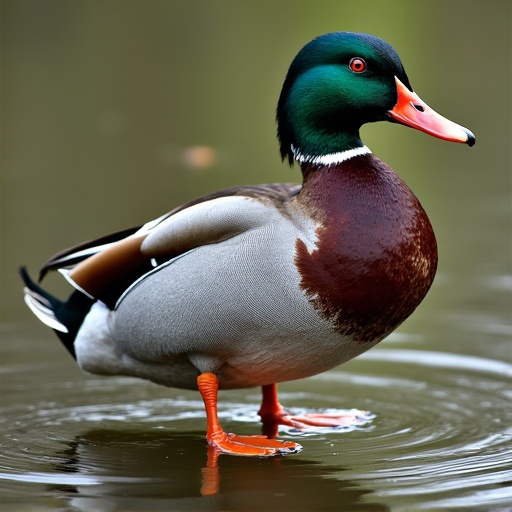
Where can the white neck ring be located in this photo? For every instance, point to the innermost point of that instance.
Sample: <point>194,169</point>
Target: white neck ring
<point>330,159</point>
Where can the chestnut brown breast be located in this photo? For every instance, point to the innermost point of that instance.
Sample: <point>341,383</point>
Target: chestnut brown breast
<point>376,253</point>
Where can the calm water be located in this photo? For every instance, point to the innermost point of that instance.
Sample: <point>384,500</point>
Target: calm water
<point>115,112</point>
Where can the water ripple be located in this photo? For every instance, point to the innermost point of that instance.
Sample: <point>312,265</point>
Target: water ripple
<point>458,435</point>
<point>438,433</point>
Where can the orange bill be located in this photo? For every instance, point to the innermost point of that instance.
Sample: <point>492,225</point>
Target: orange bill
<point>412,111</point>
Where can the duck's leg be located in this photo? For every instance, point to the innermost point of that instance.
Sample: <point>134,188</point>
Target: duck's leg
<point>256,446</point>
<point>273,414</point>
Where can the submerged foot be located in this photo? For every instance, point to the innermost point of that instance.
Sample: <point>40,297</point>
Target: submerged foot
<point>273,414</point>
<point>334,419</point>
<point>304,422</point>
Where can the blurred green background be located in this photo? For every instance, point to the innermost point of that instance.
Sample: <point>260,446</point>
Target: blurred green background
<point>115,111</point>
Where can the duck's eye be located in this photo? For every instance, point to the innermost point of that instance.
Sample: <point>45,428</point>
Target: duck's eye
<point>357,65</point>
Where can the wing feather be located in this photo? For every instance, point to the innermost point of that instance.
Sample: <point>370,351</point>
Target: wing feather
<point>104,268</point>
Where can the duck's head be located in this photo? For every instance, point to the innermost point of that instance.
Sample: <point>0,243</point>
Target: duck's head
<point>342,80</point>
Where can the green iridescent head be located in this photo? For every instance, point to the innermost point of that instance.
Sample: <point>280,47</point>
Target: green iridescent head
<point>336,83</point>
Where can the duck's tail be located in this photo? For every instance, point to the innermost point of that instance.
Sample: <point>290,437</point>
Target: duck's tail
<point>65,318</point>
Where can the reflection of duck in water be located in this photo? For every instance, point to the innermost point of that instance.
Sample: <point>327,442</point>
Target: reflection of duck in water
<point>155,470</point>
<point>257,285</point>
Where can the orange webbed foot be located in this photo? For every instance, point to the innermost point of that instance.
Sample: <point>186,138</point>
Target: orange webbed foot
<point>273,414</point>
<point>251,446</point>
<point>304,421</point>
<point>248,446</point>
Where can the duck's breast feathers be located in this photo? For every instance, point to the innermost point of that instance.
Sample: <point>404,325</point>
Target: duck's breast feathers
<point>376,253</point>
<point>106,267</point>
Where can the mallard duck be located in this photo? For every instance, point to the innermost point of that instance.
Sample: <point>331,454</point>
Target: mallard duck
<point>257,285</point>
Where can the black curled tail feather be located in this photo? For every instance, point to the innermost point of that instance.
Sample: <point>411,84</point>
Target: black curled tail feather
<point>65,318</point>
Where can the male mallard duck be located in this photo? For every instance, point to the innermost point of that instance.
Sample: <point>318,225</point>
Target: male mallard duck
<point>262,284</point>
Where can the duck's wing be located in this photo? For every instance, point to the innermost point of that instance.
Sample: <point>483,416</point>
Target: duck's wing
<point>106,267</point>
<point>70,257</point>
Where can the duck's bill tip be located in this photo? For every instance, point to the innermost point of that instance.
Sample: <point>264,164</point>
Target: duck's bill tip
<point>411,110</point>
<point>471,138</point>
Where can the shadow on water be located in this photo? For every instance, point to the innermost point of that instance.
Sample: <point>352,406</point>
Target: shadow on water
<point>140,470</point>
